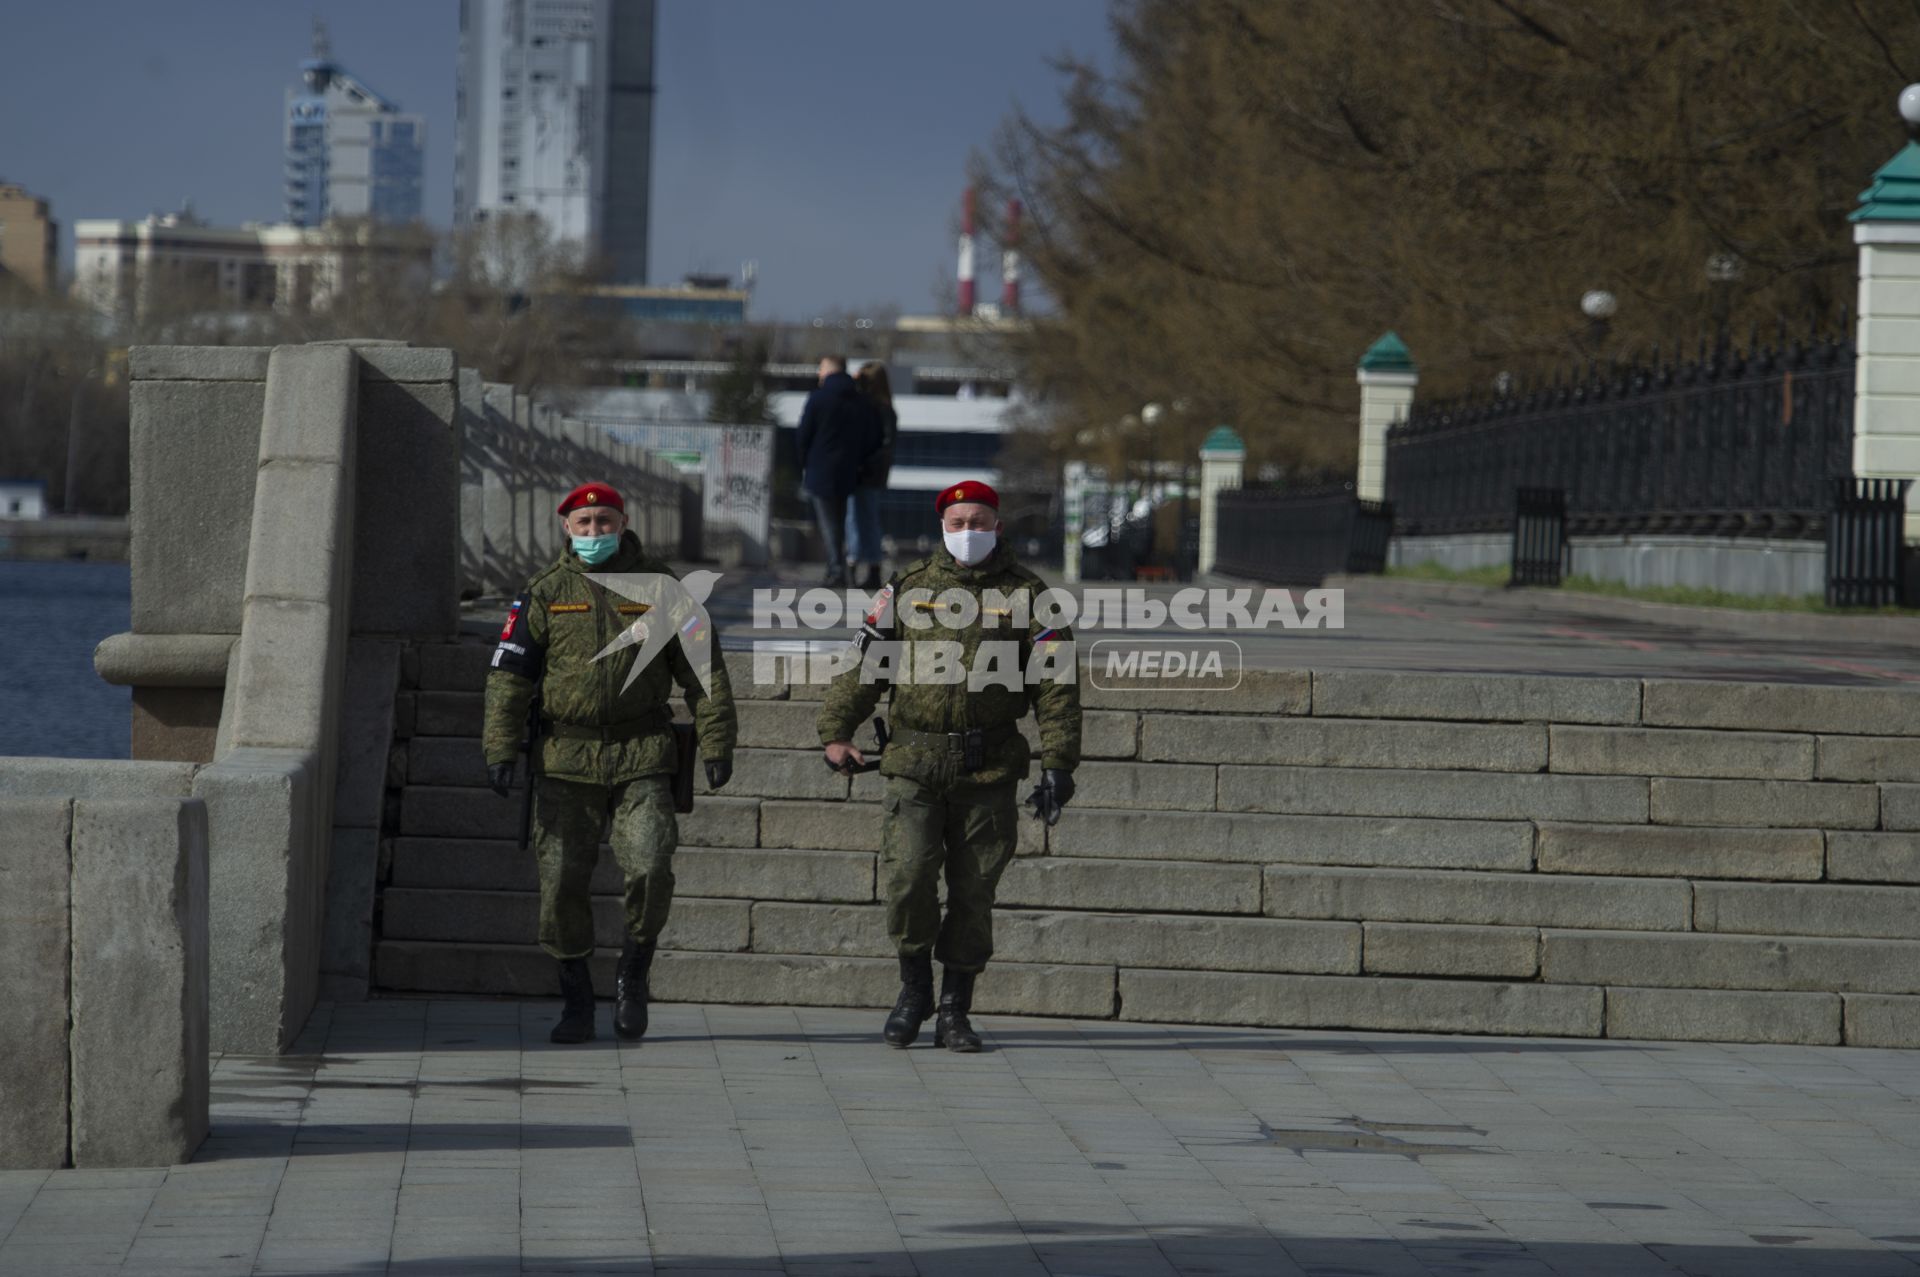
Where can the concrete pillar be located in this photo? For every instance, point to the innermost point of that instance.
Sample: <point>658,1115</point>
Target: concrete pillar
<point>1387,379</point>
<point>474,443</point>
<point>1223,460</point>
<point>1886,403</point>
<point>36,954</point>
<point>550,483</point>
<point>504,548</point>
<point>526,484</point>
<point>406,495</point>
<point>139,1040</point>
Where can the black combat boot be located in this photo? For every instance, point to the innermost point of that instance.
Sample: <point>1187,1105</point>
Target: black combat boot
<point>576,998</point>
<point>630,990</point>
<point>871,581</point>
<point>914,1006</point>
<point>951,1029</point>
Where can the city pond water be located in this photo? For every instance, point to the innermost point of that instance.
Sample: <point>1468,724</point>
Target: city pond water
<point>52,615</point>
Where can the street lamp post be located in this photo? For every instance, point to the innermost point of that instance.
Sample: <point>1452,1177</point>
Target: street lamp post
<point>1723,272</point>
<point>1151,415</point>
<point>1598,305</point>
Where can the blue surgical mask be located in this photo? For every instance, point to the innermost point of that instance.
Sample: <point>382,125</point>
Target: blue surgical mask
<point>596,550</point>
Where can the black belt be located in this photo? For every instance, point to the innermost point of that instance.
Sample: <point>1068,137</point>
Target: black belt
<point>609,733</point>
<point>971,744</point>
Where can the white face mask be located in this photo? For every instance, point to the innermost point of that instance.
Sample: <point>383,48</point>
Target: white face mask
<point>969,547</point>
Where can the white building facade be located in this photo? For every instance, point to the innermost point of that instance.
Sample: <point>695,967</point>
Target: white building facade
<point>177,263</point>
<point>555,108</point>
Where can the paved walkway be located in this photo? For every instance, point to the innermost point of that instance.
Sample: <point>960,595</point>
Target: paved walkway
<point>416,1137</point>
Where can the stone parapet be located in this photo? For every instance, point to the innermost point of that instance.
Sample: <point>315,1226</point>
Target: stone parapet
<point>103,967</point>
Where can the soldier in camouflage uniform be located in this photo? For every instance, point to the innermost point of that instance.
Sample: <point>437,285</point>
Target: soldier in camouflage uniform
<point>606,750</point>
<point>956,754</point>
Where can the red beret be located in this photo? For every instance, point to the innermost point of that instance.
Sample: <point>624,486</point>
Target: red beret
<point>593,494</point>
<point>971,490</point>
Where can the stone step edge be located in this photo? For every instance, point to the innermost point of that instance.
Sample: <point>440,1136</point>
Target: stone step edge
<point>1137,915</point>
<point>410,891</point>
<point>884,968</point>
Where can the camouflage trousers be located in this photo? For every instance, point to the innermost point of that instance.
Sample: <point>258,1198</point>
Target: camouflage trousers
<point>961,831</point>
<point>568,820</point>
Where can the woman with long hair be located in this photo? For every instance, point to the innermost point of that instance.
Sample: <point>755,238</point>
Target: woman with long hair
<point>863,511</point>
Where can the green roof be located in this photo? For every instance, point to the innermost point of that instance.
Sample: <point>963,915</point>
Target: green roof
<point>1389,354</point>
<point>1895,193</point>
<point>1223,439</point>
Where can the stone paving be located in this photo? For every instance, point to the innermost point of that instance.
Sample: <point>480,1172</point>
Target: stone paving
<point>415,1137</point>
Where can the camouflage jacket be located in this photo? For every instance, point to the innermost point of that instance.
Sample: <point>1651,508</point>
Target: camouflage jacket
<point>952,706</point>
<point>559,624</point>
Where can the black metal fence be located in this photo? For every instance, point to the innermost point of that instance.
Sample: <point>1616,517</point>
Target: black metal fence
<point>1539,536</point>
<point>1728,443</point>
<point>1300,538</point>
<point>1866,546</point>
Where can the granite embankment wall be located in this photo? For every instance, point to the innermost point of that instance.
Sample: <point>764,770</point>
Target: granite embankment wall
<point>101,539</point>
<point>103,964</point>
<point>1513,855</point>
<point>299,519</point>
<point>300,515</point>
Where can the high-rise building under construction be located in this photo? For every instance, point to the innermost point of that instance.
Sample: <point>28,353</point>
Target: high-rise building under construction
<point>351,153</point>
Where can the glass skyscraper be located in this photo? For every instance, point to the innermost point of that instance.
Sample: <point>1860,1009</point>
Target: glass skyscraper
<point>350,152</point>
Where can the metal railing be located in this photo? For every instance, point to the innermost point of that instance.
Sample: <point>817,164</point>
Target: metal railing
<point>1300,537</point>
<point>1728,443</point>
<point>1866,546</point>
<point>1539,536</point>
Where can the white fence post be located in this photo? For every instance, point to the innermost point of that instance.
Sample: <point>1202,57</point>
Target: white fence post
<point>1387,379</point>
<point>1886,383</point>
<point>1223,460</point>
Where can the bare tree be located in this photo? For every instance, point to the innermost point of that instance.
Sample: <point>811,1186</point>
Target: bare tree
<point>1257,190</point>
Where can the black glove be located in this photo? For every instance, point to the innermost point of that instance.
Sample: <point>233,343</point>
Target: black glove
<point>500,778</point>
<point>719,772</point>
<point>1051,794</point>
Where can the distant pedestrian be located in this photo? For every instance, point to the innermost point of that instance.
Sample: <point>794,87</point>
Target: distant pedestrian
<point>863,515</point>
<point>839,431</point>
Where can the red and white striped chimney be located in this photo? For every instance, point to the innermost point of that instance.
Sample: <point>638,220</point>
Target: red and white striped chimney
<point>1010,262</point>
<point>966,253</point>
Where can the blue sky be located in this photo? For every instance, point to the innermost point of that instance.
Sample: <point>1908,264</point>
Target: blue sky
<point>826,139</point>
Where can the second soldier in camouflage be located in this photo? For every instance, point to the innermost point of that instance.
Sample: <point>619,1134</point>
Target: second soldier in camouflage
<point>948,808</point>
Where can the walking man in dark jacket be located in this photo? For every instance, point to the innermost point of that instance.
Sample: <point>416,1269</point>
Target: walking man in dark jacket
<point>839,432</point>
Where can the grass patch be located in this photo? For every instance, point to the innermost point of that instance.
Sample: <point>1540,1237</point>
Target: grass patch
<point>1687,595</point>
<point>1699,596</point>
<point>1495,574</point>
